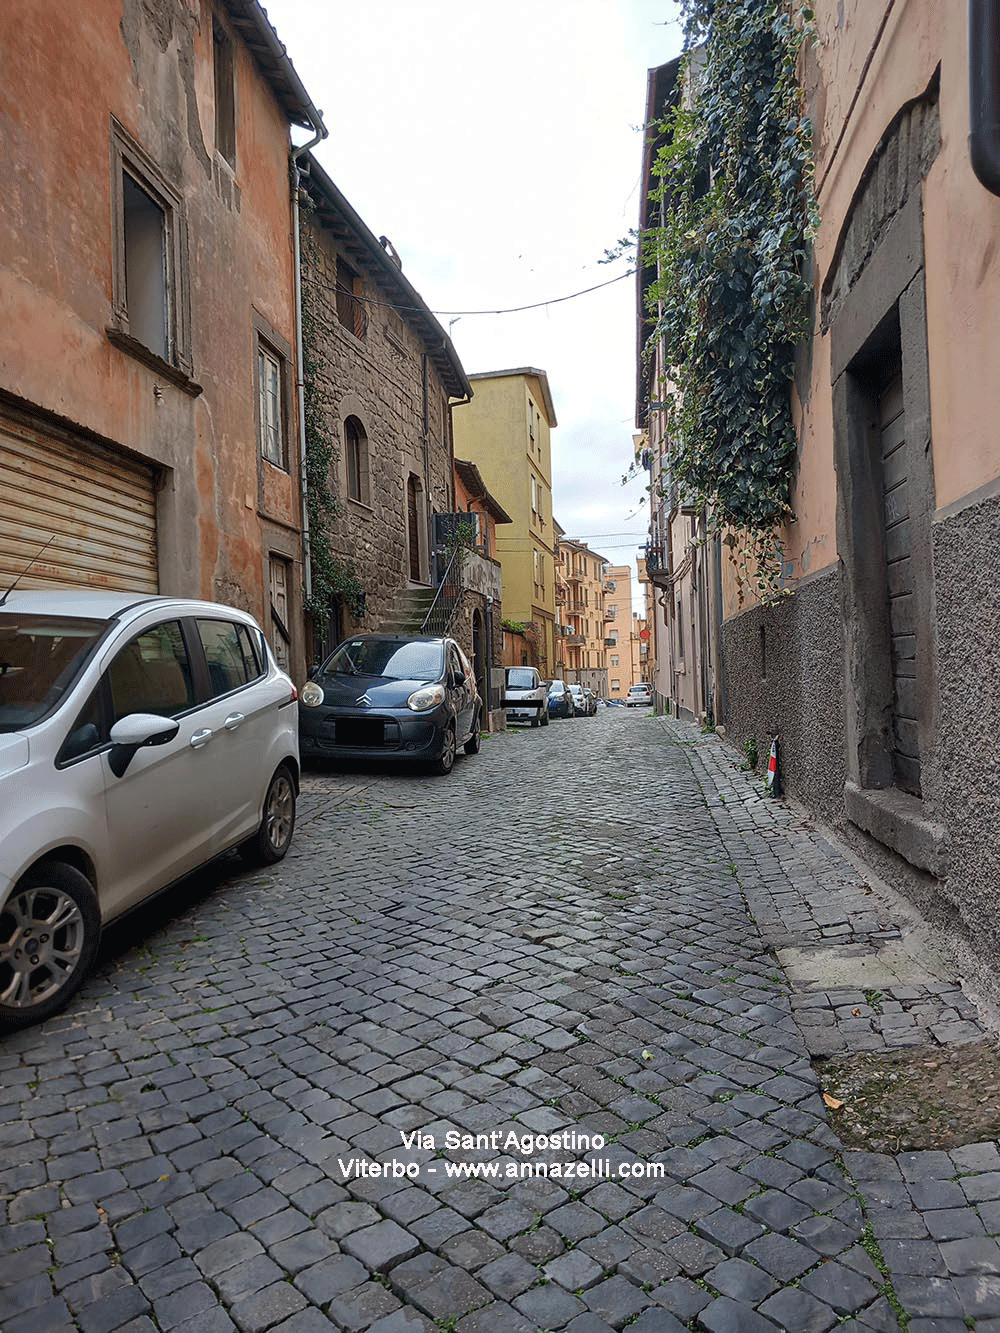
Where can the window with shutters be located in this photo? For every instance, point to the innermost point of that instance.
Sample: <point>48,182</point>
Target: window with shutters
<point>225,94</point>
<point>357,460</point>
<point>279,577</point>
<point>270,406</point>
<point>351,308</point>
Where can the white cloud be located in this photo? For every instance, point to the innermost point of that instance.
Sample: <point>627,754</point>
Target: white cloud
<point>499,148</point>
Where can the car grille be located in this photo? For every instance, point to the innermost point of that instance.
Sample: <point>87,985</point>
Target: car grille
<point>360,733</point>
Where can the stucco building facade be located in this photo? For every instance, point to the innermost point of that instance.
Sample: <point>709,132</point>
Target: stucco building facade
<point>505,430</point>
<point>580,571</point>
<point>876,669</point>
<point>148,423</point>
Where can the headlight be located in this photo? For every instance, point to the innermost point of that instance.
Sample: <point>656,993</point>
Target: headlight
<point>312,695</point>
<point>427,697</point>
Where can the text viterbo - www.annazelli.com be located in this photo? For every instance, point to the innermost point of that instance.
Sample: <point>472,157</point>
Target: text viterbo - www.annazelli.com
<point>593,1167</point>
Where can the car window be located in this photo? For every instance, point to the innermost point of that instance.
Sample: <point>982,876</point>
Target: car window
<point>40,658</point>
<point>417,660</point>
<point>521,678</point>
<point>152,674</point>
<point>230,658</point>
<point>455,663</point>
<point>556,687</point>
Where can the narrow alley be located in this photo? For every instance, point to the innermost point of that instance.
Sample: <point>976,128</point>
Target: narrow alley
<point>519,948</point>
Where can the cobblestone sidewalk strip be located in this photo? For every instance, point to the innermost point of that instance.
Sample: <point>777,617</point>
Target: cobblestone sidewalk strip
<point>573,935</point>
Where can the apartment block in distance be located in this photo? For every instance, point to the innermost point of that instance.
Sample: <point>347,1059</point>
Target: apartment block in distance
<point>505,431</point>
<point>618,630</point>
<point>582,613</point>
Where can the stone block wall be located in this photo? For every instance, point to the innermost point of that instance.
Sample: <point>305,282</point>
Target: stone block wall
<point>380,380</point>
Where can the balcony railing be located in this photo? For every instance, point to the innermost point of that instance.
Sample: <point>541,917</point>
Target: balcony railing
<point>576,639</point>
<point>657,564</point>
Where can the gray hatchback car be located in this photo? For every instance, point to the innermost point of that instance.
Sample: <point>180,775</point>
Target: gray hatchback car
<point>393,697</point>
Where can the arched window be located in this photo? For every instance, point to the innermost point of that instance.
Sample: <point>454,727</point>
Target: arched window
<point>356,454</point>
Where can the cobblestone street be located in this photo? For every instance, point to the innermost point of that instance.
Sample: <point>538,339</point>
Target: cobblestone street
<point>583,929</point>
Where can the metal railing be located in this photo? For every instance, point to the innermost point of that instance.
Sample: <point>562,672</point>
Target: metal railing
<point>442,610</point>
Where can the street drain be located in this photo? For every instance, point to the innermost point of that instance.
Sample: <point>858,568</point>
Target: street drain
<point>913,1099</point>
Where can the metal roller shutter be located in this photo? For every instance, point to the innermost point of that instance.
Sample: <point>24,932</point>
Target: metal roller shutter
<point>100,507</point>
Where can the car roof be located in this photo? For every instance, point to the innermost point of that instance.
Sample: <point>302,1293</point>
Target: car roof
<point>100,603</point>
<point>399,638</point>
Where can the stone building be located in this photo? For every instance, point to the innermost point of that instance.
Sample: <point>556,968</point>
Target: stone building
<point>148,421</point>
<point>877,669</point>
<point>381,374</point>
<point>478,622</point>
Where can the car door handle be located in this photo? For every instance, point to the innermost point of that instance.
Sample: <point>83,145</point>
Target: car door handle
<point>201,738</point>
<point>233,721</point>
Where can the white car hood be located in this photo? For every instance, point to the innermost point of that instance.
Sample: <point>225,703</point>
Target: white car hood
<point>14,752</point>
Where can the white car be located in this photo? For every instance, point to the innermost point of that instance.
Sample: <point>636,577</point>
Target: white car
<point>639,696</point>
<point>139,738</point>
<point>526,696</point>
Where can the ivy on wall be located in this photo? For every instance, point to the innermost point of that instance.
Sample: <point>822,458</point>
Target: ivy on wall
<point>333,579</point>
<point>731,299</point>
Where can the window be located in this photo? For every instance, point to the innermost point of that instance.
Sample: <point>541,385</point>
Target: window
<point>350,308</point>
<point>229,654</point>
<point>145,267</point>
<point>534,494</point>
<point>616,684</point>
<point>614,661</point>
<point>356,456</point>
<point>279,579</point>
<point>225,95</point>
<point>613,636</point>
<point>270,406</point>
<point>152,674</point>
<point>531,421</point>
<point>148,273</point>
<point>536,562</point>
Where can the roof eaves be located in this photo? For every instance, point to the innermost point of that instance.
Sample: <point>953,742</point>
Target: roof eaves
<point>540,375</point>
<point>410,304</point>
<point>253,25</point>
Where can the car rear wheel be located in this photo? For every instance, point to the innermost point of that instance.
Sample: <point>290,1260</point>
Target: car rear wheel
<point>50,927</point>
<point>443,766</point>
<point>545,718</point>
<point>274,835</point>
<point>475,742</point>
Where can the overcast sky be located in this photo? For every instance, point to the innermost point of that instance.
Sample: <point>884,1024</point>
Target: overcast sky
<point>499,148</point>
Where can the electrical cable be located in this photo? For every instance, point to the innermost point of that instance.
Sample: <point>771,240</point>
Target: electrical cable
<point>508,310</point>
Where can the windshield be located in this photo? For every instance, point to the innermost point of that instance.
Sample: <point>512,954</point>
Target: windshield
<point>576,689</point>
<point>556,687</point>
<point>521,678</point>
<point>388,658</point>
<point>40,657</point>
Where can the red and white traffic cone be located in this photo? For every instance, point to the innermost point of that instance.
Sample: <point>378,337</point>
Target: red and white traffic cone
<point>772,782</point>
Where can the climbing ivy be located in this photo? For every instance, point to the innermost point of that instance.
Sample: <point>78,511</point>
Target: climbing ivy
<point>731,296</point>
<point>332,577</point>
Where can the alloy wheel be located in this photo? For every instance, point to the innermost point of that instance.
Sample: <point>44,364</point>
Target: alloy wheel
<point>279,814</point>
<point>42,942</point>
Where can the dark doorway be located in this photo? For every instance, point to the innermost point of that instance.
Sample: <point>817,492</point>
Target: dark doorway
<point>413,525</point>
<point>480,662</point>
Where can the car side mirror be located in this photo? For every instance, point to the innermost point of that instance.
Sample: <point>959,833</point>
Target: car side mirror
<point>131,733</point>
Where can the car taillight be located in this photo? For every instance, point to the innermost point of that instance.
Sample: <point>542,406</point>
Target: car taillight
<point>295,696</point>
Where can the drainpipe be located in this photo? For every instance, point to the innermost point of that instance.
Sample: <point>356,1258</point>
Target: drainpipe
<point>984,92</point>
<point>300,391</point>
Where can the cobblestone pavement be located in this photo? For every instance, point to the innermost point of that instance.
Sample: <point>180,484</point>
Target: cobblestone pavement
<point>575,932</point>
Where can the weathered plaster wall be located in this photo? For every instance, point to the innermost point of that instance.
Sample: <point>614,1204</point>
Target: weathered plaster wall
<point>379,381</point>
<point>785,678</point>
<point>67,70</point>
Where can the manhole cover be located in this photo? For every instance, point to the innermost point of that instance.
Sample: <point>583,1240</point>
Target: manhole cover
<point>917,1098</point>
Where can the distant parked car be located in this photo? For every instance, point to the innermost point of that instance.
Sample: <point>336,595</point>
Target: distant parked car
<point>560,700</point>
<point>139,738</point>
<point>583,701</point>
<point>392,697</point>
<point>639,696</point>
<point>526,696</point>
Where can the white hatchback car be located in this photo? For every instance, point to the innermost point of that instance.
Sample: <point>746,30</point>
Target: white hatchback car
<point>139,738</point>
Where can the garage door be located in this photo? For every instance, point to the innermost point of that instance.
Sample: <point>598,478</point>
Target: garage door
<point>99,509</point>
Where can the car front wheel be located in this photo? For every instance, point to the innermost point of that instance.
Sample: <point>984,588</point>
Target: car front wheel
<point>50,927</point>
<point>545,718</point>
<point>274,834</point>
<point>443,766</point>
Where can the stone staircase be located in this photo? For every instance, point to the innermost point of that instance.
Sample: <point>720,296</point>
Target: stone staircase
<point>407,612</point>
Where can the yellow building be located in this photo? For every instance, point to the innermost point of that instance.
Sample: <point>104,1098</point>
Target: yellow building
<point>505,431</point>
<point>618,630</point>
<point>580,573</point>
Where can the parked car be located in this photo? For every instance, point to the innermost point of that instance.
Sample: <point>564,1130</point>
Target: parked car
<point>139,738</point>
<point>639,696</point>
<point>583,701</point>
<point>392,697</point>
<point>560,699</point>
<point>525,696</point>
